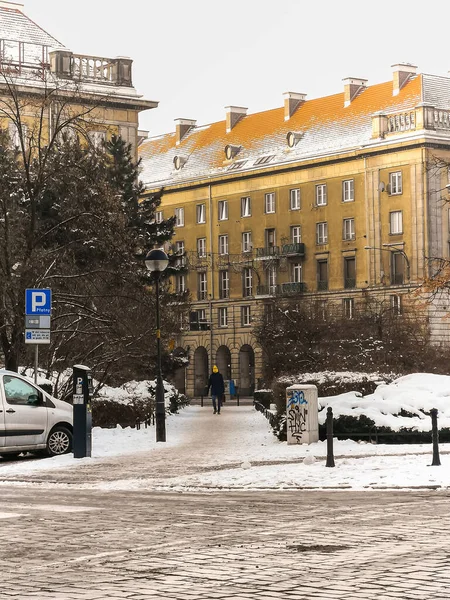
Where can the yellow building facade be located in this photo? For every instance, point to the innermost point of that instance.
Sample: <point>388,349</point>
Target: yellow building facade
<point>326,199</point>
<point>53,84</point>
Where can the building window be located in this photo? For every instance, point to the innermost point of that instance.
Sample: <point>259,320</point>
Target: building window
<point>179,217</point>
<point>269,203</point>
<point>322,309</point>
<point>180,283</point>
<point>396,222</point>
<point>322,233</point>
<point>202,286</point>
<point>321,194</point>
<point>179,251</point>
<point>223,245</point>
<point>272,279</point>
<point>348,191</point>
<point>246,207</point>
<point>349,273</point>
<point>159,216</point>
<point>223,317</point>
<point>296,234</point>
<point>396,305</point>
<point>322,275</point>
<point>246,318</point>
<point>296,273</point>
<point>247,280</point>
<point>349,308</point>
<point>247,241</point>
<point>224,284</point>
<point>294,196</point>
<point>397,268</point>
<point>270,237</point>
<point>395,183</point>
<point>201,248</point>
<point>201,213</point>
<point>223,210</point>
<point>349,229</point>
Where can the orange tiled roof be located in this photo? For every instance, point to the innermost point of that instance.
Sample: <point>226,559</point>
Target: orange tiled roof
<point>327,127</point>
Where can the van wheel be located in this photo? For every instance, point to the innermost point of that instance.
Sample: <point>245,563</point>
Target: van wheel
<point>59,441</point>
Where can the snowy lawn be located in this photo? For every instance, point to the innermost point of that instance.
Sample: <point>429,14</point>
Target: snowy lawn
<point>235,450</point>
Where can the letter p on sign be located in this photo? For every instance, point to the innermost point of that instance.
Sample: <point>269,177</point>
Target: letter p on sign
<point>38,302</point>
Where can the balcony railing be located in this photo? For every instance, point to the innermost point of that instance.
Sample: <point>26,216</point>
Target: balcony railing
<point>397,279</point>
<point>349,283</point>
<point>290,288</point>
<point>96,69</point>
<point>267,252</point>
<point>322,286</point>
<point>293,249</point>
<point>223,294</point>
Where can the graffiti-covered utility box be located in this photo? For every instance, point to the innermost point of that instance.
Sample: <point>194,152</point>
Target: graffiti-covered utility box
<point>302,414</point>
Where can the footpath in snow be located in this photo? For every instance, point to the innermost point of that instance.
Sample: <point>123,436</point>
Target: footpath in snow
<point>236,451</point>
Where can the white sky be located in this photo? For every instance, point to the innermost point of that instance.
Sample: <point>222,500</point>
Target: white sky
<point>197,57</point>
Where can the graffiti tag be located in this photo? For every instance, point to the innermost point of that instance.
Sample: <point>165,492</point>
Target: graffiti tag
<point>297,411</point>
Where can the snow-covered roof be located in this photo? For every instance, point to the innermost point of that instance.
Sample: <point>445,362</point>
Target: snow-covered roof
<point>16,26</point>
<point>326,126</point>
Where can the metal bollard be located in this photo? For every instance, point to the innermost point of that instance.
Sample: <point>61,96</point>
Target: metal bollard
<point>435,437</point>
<point>237,398</point>
<point>201,401</point>
<point>330,455</point>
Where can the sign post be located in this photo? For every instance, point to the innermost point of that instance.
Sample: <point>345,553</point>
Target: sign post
<point>38,310</point>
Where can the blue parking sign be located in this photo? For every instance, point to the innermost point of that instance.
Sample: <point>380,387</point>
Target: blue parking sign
<point>38,302</point>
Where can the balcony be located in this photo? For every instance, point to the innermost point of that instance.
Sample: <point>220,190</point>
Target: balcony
<point>96,69</point>
<point>322,286</point>
<point>397,279</point>
<point>291,288</point>
<point>293,249</point>
<point>267,252</point>
<point>349,283</point>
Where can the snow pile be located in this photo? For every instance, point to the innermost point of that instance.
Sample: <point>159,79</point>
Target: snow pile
<point>335,376</point>
<point>133,391</point>
<point>404,403</point>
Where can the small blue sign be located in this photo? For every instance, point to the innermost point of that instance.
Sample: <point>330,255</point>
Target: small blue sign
<point>38,302</point>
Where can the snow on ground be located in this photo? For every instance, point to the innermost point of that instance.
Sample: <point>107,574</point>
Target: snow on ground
<point>237,450</point>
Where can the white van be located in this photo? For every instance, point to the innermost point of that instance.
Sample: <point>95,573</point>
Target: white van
<point>30,419</point>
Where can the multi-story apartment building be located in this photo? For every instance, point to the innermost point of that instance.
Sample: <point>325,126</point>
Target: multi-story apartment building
<point>33,64</point>
<point>330,198</point>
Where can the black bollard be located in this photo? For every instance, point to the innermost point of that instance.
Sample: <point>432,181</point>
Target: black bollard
<point>330,455</point>
<point>435,437</point>
<point>201,401</point>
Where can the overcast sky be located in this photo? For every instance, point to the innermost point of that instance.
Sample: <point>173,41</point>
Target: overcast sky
<point>196,57</point>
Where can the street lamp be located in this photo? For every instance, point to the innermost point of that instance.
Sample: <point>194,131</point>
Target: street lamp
<point>156,262</point>
<point>393,247</point>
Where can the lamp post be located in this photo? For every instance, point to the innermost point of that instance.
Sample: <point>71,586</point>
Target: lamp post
<point>394,248</point>
<point>156,262</point>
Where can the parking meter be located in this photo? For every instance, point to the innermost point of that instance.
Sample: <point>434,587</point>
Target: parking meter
<point>82,411</point>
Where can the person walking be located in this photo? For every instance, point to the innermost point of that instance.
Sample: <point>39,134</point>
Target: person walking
<point>215,383</point>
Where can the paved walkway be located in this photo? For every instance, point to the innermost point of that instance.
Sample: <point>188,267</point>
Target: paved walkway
<point>60,541</point>
<point>85,545</point>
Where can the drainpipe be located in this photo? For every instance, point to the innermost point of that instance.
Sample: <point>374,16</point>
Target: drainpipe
<point>212,295</point>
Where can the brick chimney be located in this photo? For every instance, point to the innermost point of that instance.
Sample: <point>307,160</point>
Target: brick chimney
<point>234,115</point>
<point>402,73</point>
<point>292,101</point>
<point>352,87</point>
<point>182,128</point>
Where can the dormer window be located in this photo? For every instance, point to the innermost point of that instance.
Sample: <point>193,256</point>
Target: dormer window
<point>236,165</point>
<point>179,162</point>
<point>264,159</point>
<point>293,138</point>
<point>231,151</point>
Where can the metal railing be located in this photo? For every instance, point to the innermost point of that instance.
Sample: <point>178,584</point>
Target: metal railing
<point>349,283</point>
<point>297,249</point>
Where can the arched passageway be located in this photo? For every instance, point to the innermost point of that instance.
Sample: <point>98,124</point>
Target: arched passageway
<point>179,377</point>
<point>223,361</point>
<point>201,371</point>
<point>246,371</point>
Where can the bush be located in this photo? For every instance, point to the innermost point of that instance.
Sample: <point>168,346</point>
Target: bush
<point>265,397</point>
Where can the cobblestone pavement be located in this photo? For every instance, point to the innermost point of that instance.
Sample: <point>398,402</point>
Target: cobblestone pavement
<point>74,544</point>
